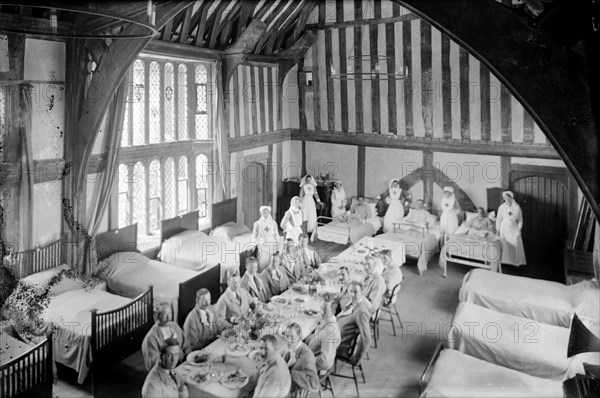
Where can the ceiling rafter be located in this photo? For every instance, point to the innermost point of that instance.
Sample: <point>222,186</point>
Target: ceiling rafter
<point>277,35</point>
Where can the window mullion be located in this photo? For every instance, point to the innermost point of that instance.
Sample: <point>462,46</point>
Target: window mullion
<point>147,103</point>
<point>191,103</point>
<point>161,68</point>
<point>211,86</point>
<point>176,101</point>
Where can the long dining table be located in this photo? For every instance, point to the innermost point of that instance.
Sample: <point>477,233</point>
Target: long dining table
<point>291,306</point>
<point>294,305</point>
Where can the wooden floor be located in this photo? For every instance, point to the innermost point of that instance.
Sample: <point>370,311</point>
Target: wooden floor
<point>426,304</point>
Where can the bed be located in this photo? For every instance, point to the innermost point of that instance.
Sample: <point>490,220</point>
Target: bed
<point>451,373</point>
<point>527,346</point>
<point>229,244</point>
<point>543,301</point>
<point>92,327</point>
<point>127,273</point>
<point>25,370</point>
<point>348,228</point>
<point>482,249</point>
<point>420,242</point>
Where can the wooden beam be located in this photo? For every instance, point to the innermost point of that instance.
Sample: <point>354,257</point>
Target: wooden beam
<point>428,178</point>
<point>245,13</point>
<point>248,39</point>
<point>297,51</point>
<point>505,171</point>
<point>361,170</point>
<point>302,19</point>
<point>184,32</point>
<point>215,22</point>
<point>238,144</point>
<point>278,35</point>
<point>203,13</point>
<point>494,148</point>
<point>97,48</point>
<point>362,22</point>
<point>260,12</point>
<point>159,47</point>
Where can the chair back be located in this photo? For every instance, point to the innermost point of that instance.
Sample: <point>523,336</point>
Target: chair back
<point>375,315</point>
<point>352,346</point>
<point>393,298</point>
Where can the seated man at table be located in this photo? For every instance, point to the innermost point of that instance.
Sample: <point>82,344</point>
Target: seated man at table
<point>392,275</point>
<point>355,318</point>
<point>373,283</point>
<point>253,282</point>
<point>157,336</point>
<point>274,378</point>
<point>343,297</point>
<point>361,208</point>
<point>234,303</point>
<point>275,277</point>
<point>325,340</point>
<point>418,216</point>
<point>163,380</point>
<point>310,257</point>
<point>200,326</point>
<point>301,362</point>
<point>291,261</point>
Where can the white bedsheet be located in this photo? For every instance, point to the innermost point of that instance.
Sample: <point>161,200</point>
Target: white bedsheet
<point>543,301</point>
<point>416,245</point>
<point>195,250</point>
<point>522,344</point>
<point>459,375</point>
<point>343,232</point>
<point>70,314</point>
<point>129,274</point>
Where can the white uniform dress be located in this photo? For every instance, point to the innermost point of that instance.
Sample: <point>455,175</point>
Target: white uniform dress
<point>338,198</point>
<point>266,236</point>
<point>292,224</point>
<point>449,217</point>
<point>395,211</point>
<point>509,223</point>
<point>309,208</point>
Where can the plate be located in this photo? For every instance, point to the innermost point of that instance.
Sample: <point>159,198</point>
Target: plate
<point>311,313</point>
<point>300,299</point>
<point>362,251</point>
<point>199,358</point>
<point>235,380</point>
<point>229,333</point>
<point>278,300</point>
<point>198,378</point>
<point>238,350</point>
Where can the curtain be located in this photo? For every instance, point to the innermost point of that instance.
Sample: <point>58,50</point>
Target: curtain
<point>100,197</point>
<point>27,170</point>
<point>221,145</point>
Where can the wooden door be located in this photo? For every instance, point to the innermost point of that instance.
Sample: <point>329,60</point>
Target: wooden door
<point>544,201</point>
<point>253,190</point>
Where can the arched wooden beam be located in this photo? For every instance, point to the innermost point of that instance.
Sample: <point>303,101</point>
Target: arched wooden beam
<point>442,180</point>
<point>536,71</point>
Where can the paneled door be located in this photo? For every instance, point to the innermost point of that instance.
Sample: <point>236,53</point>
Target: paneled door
<point>253,190</point>
<point>544,201</point>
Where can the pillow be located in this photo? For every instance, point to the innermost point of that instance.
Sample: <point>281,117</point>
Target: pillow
<point>470,215</point>
<point>230,230</point>
<point>42,278</point>
<point>492,215</point>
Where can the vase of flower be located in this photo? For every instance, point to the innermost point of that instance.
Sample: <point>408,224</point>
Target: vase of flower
<point>253,335</point>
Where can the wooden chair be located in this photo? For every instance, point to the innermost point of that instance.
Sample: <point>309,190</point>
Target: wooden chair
<point>374,321</point>
<point>389,307</point>
<point>347,359</point>
<point>326,385</point>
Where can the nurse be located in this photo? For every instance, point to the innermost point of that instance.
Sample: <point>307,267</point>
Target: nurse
<point>509,223</point>
<point>266,235</point>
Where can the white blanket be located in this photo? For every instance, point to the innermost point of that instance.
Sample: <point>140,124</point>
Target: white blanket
<point>195,250</point>
<point>129,274</point>
<point>70,314</point>
<point>350,231</point>
<point>543,301</point>
<point>459,375</point>
<point>528,346</point>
